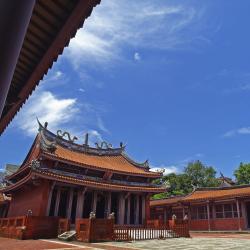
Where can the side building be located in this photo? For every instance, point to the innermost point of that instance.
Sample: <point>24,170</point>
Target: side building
<point>208,209</point>
<point>61,178</point>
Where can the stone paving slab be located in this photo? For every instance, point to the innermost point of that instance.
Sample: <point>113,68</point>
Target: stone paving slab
<point>207,243</point>
<point>198,242</point>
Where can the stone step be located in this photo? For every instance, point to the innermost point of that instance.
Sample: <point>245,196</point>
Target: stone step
<point>66,236</point>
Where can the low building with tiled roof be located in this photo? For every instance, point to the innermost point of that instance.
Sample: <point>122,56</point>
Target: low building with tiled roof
<point>218,208</point>
<point>61,178</point>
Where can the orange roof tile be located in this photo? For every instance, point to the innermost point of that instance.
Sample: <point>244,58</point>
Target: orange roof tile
<point>116,163</point>
<point>166,201</point>
<point>218,193</point>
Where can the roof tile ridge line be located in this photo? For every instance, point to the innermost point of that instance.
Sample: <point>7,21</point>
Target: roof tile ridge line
<point>20,170</point>
<point>222,188</point>
<point>51,155</point>
<point>30,150</point>
<point>25,179</point>
<point>167,198</point>
<point>143,165</point>
<point>190,194</point>
<point>86,148</point>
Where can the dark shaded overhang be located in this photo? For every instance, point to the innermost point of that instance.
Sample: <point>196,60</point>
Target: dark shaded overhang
<point>52,24</point>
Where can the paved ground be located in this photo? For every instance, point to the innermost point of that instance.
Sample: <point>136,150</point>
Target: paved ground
<point>199,241</point>
<point>190,244</point>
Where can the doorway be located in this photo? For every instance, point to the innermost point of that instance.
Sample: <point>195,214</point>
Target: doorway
<point>248,214</point>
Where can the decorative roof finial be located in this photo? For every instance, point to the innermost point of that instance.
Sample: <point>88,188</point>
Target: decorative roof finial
<point>61,134</point>
<point>103,145</point>
<point>45,125</point>
<point>86,139</point>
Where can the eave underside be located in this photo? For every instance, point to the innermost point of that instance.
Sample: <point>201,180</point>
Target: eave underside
<point>52,25</point>
<point>80,182</point>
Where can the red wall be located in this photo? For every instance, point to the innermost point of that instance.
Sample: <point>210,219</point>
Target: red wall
<point>32,197</point>
<point>217,224</point>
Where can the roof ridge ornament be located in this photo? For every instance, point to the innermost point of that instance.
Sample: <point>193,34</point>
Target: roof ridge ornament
<point>103,145</point>
<point>61,135</point>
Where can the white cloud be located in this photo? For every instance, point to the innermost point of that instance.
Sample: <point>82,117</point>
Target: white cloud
<point>115,25</point>
<point>101,125</point>
<point>81,90</point>
<point>137,56</point>
<point>239,131</point>
<point>47,107</point>
<point>167,169</point>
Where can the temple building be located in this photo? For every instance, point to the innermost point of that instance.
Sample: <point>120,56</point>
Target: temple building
<point>61,178</point>
<point>223,208</point>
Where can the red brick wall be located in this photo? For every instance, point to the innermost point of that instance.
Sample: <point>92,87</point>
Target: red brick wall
<point>217,224</point>
<point>201,225</point>
<point>30,197</point>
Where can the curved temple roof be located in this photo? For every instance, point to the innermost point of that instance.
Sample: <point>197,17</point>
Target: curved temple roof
<point>202,194</point>
<point>206,194</point>
<point>107,159</point>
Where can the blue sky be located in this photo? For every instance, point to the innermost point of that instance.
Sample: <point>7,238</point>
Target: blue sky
<point>171,79</point>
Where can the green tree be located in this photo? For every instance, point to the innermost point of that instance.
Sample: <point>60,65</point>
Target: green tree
<point>201,175</point>
<point>196,174</point>
<point>242,173</point>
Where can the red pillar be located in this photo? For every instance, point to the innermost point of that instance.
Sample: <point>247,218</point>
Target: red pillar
<point>147,207</point>
<point>14,19</point>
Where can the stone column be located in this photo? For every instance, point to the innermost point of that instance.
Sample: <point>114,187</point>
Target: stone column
<point>128,209</point>
<point>70,201</point>
<point>121,209</point>
<point>143,212</point>
<point>94,202</point>
<point>208,216</point>
<point>80,200</point>
<point>58,197</point>
<point>137,207</point>
<point>49,198</point>
<point>238,213</point>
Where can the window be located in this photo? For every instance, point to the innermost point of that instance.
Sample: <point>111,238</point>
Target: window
<point>200,213</point>
<point>219,211</point>
<point>227,211</point>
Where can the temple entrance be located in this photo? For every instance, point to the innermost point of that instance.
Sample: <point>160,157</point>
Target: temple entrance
<point>53,202</point>
<point>248,214</point>
<point>114,205</point>
<point>87,204</point>
<point>73,210</point>
<point>63,203</point>
<point>132,209</point>
<point>100,206</point>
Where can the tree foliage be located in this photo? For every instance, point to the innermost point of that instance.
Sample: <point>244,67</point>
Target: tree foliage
<point>242,174</point>
<point>196,174</point>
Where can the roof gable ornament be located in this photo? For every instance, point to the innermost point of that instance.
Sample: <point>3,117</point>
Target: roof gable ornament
<point>103,145</point>
<point>61,135</point>
<point>46,144</point>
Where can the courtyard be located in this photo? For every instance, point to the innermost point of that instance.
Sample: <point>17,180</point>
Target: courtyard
<point>198,241</point>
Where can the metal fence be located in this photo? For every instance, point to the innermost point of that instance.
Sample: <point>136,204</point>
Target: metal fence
<point>130,233</point>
